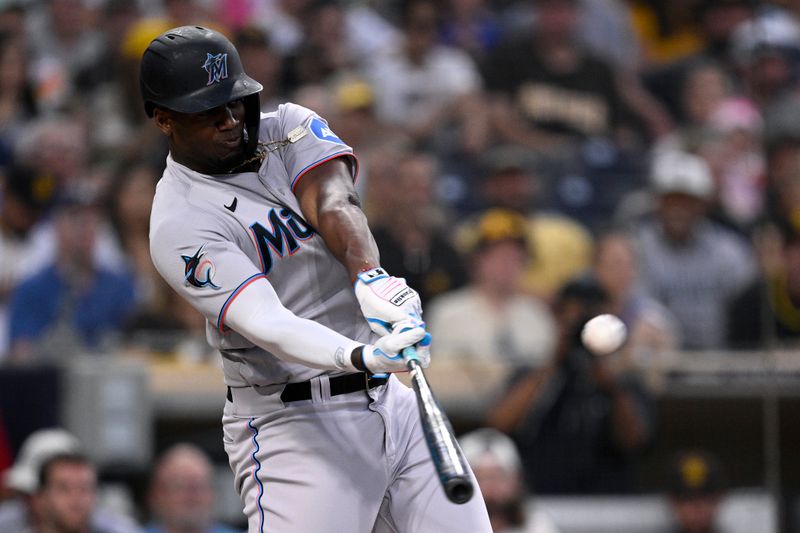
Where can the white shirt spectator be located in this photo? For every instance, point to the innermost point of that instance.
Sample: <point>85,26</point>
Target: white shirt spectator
<point>408,94</point>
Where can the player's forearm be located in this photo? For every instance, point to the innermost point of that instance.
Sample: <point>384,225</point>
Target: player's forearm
<point>331,205</point>
<point>258,315</point>
<point>344,228</point>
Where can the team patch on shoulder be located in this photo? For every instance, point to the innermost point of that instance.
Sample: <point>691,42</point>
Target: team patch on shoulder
<point>199,270</point>
<point>322,132</point>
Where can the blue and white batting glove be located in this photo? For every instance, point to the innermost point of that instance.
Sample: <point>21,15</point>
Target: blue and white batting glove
<point>386,355</point>
<point>385,300</point>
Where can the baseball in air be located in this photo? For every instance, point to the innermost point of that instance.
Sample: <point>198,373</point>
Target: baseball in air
<point>604,334</point>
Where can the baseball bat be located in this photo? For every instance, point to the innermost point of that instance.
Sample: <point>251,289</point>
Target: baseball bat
<point>449,461</point>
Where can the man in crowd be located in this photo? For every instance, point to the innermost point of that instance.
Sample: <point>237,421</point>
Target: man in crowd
<point>54,490</point>
<point>691,264</point>
<point>577,423</point>
<point>181,497</point>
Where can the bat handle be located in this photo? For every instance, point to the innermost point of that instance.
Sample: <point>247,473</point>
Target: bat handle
<point>410,355</point>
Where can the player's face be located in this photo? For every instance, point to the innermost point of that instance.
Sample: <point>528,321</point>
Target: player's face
<point>211,142</point>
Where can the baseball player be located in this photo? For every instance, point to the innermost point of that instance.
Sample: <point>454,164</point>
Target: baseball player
<point>256,223</point>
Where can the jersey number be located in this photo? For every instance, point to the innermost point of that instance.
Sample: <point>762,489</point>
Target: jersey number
<point>282,237</point>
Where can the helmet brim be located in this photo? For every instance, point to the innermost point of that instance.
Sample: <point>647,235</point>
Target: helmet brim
<point>204,99</point>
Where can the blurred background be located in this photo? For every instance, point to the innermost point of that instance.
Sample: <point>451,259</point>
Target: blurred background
<point>525,164</point>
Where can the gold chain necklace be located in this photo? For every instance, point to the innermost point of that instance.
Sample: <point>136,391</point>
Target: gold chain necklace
<point>263,149</point>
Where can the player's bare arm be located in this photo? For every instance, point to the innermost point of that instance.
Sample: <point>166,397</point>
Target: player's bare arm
<point>329,203</point>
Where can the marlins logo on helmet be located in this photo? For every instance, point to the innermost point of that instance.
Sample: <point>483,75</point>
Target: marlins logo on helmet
<point>216,66</point>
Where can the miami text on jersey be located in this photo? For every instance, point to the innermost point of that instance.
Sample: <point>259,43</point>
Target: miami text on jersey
<point>283,236</point>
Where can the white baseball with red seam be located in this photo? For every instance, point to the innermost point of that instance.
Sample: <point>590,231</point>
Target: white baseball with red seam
<point>604,334</point>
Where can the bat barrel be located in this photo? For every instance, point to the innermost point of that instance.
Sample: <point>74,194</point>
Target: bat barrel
<point>459,489</point>
<point>447,457</point>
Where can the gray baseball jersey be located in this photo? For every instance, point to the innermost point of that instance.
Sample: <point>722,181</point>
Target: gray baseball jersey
<point>331,463</point>
<point>211,236</point>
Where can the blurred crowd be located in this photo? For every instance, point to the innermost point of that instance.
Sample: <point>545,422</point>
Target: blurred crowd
<point>524,164</point>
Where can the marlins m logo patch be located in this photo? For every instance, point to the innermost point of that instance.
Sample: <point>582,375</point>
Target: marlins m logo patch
<point>216,66</point>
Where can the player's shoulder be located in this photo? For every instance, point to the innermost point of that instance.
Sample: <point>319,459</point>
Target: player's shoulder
<point>286,111</point>
<point>285,118</point>
<point>181,206</point>
<point>171,199</point>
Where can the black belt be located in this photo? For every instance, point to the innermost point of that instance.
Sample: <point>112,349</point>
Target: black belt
<point>295,392</point>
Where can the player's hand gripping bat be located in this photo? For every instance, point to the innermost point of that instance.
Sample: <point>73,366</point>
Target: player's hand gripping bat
<point>450,463</point>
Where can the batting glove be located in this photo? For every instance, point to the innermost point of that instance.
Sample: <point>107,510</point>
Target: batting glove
<point>385,300</point>
<point>386,355</point>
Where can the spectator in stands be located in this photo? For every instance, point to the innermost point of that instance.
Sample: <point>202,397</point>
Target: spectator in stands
<point>66,496</point>
<point>17,98</point>
<point>491,322</point>
<point>551,93</point>
<point>423,88</point>
<point>667,31</point>
<point>56,145</point>
<point>607,30</point>
<point>767,313</point>
<point>128,204</point>
<point>282,21</point>
<point>783,167</point>
<point>12,17</point>
<point>696,91</point>
<point>738,160</point>
<point>726,130</point>
<point>716,20</point>
<point>691,264</point>
<point>578,425</point>
<point>411,237</point>
<point>109,86</point>
<point>696,488</point>
<point>181,495</point>
<point>766,55</point>
<point>263,64</point>
<point>54,485</point>
<point>72,305</point>
<point>66,44</point>
<point>651,327</point>
<point>26,197</point>
<point>324,52</point>
<point>498,470</point>
<point>356,122</point>
<point>560,246</point>
<point>471,26</point>
<point>169,326</point>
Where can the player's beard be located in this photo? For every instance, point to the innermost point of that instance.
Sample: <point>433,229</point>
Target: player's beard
<point>232,156</point>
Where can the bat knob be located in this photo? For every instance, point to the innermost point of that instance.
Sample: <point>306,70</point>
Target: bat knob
<point>459,490</point>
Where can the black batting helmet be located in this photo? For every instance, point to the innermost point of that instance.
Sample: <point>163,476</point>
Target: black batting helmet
<point>192,69</point>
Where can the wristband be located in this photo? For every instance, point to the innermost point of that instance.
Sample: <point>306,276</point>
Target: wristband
<point>357,358</point>
<point>372,274</point>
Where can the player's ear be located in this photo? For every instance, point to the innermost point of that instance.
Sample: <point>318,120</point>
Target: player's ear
<point>163,120</point>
